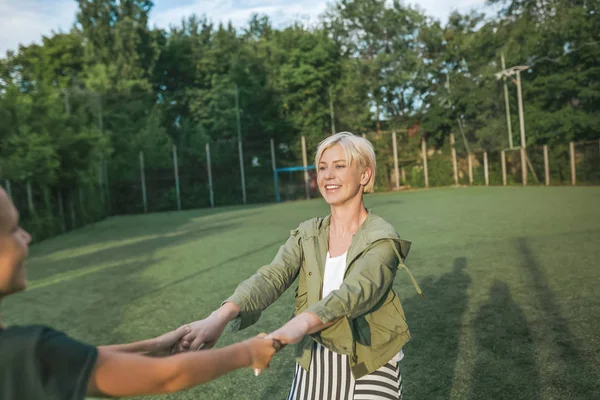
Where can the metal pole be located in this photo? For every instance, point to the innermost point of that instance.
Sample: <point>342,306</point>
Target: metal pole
<point>573,170</point>
<point>8,188</point>
<point>503,160</point>
<point>522,126</point>
<point>274,166</point>
<point>331,110</point>
<point>143,180</point>
<point>61,210</point>
<point>425,171</point>
<point>305,163</point>
<point>210,181</point>
<point>485,169</point>
<point>176,170</point>
<point>454,162</point>
<point>546,165</point>
<point>508,121</point>
<point>240,147</point>
<point>395,145</point>
<point>30,199</point>
<point>470,162</point>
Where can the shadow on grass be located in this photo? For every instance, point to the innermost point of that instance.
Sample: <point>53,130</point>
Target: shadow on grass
<point>505,366</point>
<point>435,324</point>
<point>125,227</point>
<point>221,264</point>
<point>89,307</point>
<point>573,375</point>
<point>116,253</point>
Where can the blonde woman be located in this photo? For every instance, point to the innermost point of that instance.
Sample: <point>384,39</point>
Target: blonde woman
<point>348,326</point>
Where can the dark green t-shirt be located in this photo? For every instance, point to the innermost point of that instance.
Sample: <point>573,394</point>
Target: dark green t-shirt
<point>37,362</point>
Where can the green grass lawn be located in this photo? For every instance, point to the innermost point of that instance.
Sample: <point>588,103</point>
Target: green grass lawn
<point>511,278</point>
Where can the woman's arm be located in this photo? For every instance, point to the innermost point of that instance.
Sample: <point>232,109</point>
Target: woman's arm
<point>157,346</point>
<point>250,298</point>
<point>119,374</point>
<point>295,329</point>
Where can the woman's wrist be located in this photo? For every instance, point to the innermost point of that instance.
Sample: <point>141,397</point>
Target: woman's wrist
<point>226,313</point>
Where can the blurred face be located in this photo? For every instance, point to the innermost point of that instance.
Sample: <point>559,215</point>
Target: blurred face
<point>338,180</point>
<point>14,248</point>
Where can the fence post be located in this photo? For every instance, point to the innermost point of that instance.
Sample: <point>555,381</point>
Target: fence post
<point>211,192</point>
<point>470,162</point>
<point>305,164</point>
<point>143,181</point>
<point>240,145</point>
<point>61,210</point>
<point>454,163</point>
<point>503,160</point>
<point>573,171</point>
<point>176,169</point>
<point>396,173</point>
<point>8,188</point>
<point>403,173</point>
<point>274,165</point>
<point>425,171</point>
<point>30,199</point>
<point>485,169</point>
<point>523,166</point>
<point>101,186</point>
<point>107,184</point>
<point>72,207</point>
<point>546,165</point>
<point>81,205</point>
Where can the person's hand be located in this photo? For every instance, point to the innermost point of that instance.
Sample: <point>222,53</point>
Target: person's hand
<point>167,343</point>
<point>290,333</point>
<point>203,334</point>
<point>261,351</point>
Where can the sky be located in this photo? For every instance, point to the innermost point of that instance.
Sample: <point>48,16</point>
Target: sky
<point>25,21</point>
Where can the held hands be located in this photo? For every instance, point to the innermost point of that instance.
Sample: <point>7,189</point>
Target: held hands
<point>260,351</point>
<point>167,343</point>
<point>202,334</point>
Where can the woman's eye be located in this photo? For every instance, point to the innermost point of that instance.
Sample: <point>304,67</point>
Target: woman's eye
<point>340,166</point>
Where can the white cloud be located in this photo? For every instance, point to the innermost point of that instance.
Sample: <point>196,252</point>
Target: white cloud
<point>25,21</point>
<point>281,12</point>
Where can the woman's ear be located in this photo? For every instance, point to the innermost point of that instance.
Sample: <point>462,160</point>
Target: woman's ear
<point>365,176</point>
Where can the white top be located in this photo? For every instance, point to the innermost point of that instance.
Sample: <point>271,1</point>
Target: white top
<point>335,267</point>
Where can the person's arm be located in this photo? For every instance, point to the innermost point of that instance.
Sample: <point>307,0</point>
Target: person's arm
<point>118,374</point>
<point>295,329</point>
<point>157,346</point>
<point>250,298</point>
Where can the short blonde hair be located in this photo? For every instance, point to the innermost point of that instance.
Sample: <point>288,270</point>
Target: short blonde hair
<point>356,148</point>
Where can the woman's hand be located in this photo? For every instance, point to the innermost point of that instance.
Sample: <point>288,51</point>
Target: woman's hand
<point>166,344</point>
<point>205,333</point>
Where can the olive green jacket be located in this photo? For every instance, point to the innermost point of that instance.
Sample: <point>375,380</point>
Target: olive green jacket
<point>370,324</point>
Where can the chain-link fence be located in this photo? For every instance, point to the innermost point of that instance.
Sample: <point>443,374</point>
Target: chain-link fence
<point>179,178</point>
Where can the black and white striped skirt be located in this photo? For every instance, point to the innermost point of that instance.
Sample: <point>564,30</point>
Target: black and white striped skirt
<point>330,378</point>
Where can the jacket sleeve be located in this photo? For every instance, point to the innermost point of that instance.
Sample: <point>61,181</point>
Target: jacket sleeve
<point>259,291</point>
<point>365,285</point>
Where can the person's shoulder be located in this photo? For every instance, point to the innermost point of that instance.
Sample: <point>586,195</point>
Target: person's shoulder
<point>19,341</point>
<point>378,228</point>
<point>25,333</point>
<point>310,227</point>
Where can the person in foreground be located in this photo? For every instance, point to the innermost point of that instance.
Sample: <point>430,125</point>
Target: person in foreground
<point>348,325</point>
<point>37,362</point>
